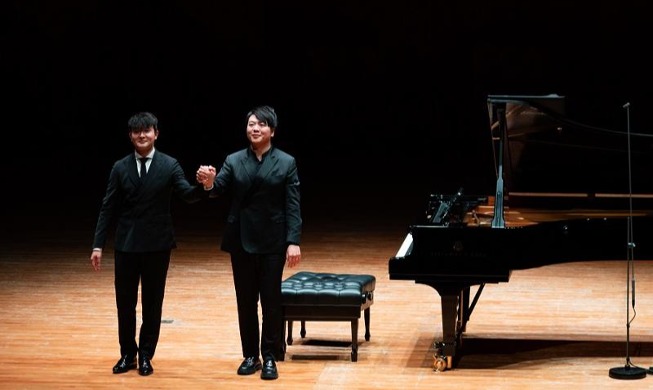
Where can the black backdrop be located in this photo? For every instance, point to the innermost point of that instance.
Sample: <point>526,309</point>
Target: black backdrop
<point>381,102</point>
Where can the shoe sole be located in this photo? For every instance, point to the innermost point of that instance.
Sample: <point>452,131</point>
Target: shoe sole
<point>125,370</point>
<point>249,372</point>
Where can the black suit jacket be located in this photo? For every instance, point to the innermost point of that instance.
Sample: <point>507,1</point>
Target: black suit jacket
<point>141,209</point>
<point>265,215</point>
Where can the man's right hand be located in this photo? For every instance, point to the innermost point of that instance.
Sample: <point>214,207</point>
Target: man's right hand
<point>96,259</point>
<point>206,175</point>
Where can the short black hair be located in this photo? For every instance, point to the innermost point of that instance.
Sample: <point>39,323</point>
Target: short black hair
<point>143,120</point>
<point>265,114</point>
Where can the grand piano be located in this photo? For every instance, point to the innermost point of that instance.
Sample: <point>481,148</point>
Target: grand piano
<point>565,192</point>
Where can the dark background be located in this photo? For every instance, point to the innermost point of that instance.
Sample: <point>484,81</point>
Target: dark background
<point>380,102</point>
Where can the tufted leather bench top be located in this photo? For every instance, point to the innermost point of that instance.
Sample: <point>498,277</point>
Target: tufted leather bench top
<point>311,288</point>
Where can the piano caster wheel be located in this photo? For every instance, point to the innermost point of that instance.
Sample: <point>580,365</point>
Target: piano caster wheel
<point>440,362</point>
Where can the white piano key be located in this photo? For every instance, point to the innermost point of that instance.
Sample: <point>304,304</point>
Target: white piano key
<point>405,246</point>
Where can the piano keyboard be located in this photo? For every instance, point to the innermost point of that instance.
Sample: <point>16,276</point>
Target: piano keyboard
<point>405,246</point>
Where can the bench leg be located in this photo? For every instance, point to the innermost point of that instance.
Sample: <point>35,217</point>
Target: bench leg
<point>354,334</point>
<point>366,314</point>
<point>282,355</point>
<point>354,340</point>
<point>289,339</point>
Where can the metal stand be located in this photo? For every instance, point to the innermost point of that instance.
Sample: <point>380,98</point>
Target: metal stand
<point>629,371</point>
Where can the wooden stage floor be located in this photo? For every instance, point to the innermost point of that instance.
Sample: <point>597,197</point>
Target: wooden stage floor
<point>553,327</point>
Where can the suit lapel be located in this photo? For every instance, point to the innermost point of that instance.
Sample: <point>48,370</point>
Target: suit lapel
<point>153,169</point>
<point>264,170</point>
<point>250,173</point>
<point>256,178</point>
<point>133,171</point>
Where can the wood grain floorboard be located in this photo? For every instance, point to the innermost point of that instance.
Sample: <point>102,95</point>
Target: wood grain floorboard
<point>552,327</point>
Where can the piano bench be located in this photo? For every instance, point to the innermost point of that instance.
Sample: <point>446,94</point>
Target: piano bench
<point>310,296</point>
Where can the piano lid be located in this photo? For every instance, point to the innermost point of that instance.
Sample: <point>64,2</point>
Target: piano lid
<point>546,154</point>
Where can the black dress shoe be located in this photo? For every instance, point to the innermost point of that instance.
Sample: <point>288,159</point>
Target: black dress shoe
<point>249,366</point>
<point>269,370</point>
<point>125,364</point>
<point>145,366</point>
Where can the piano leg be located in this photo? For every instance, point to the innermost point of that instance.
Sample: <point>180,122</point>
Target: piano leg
<point>454,319</point>
<point>450,336</point>
<point>463,312</point>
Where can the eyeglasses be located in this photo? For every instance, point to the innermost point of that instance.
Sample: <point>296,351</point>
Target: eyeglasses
<point>139,131</point>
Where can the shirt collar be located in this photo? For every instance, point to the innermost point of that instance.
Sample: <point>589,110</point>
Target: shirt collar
<point>149,155</point>
<point>251,153</point>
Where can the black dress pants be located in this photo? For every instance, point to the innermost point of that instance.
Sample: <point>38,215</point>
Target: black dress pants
<point>150,269</point>
<point>259,276</point>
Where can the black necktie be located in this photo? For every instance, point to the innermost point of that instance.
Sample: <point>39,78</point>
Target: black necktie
<point>143,167</point>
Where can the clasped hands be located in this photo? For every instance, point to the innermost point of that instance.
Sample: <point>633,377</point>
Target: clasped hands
<point>206,175</point>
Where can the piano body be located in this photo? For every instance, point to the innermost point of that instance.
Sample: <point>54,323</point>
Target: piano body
<point>563,194</point>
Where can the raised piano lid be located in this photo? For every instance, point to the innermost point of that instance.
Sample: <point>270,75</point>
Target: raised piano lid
<point>550,161</point>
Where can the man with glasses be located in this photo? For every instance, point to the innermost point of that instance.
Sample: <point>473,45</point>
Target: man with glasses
<point>137,201</point>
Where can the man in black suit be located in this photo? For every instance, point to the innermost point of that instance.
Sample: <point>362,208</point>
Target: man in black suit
<point>262,235</point>
<point>137,200</point>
